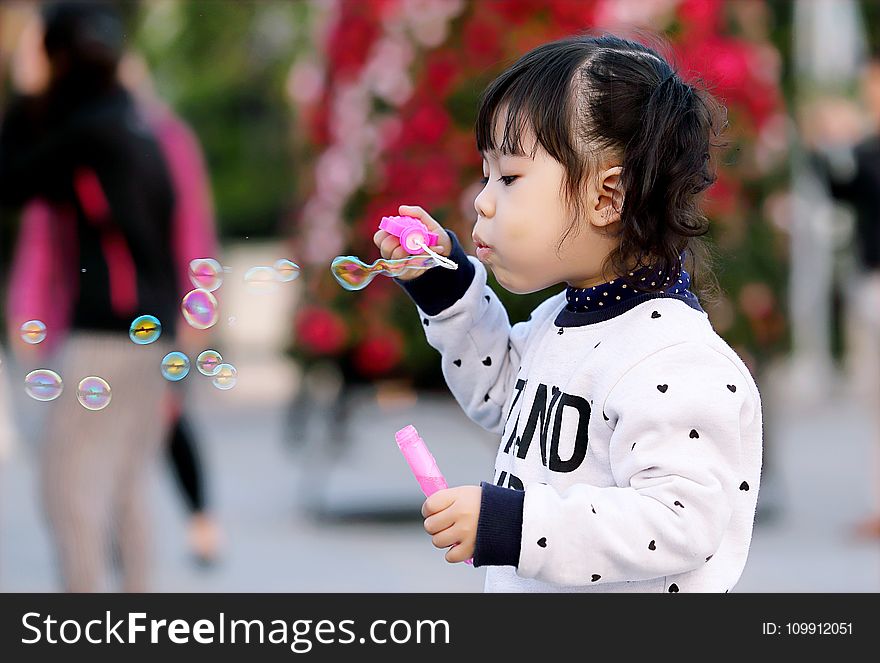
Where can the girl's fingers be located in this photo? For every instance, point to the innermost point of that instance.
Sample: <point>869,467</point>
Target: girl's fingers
<point>446,538</point>
<point>455,555</point>
<point>379,237</point>
<point>388,246</point>
<point>439,521</point>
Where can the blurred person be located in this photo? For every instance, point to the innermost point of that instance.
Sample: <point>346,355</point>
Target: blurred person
<point>83,155</point>
<point>630,431</point>
<point>844,139</point>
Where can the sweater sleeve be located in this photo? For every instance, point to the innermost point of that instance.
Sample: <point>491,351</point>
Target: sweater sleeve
<point>675,455</point>
<point>467,323</point>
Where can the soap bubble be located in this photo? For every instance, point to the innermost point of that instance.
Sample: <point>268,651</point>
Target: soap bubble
<point>175,366</point>
<point>225,377</point>
<point>261,279</point>
<point>287,270</point>
<point>43,385</point>
<point>33,331</point>
<point>208,362</point>
<point>206,273</point>
<point>200,308</point>
<point>93,393</point>
<point>145,329</point>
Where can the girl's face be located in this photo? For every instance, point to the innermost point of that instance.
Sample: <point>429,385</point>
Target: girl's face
<point>521,218</point>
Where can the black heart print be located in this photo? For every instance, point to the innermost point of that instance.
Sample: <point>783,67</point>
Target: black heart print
<point>426,322</point>
<point>595,577</point>
<point>673,588</point>
<point>662,388</point>
<point>744,486</point>
<point>655,315</point>
<point>561,330</point>
<point>652,546</point>
<point>694,434</point>
<point>457,362</point>
<point>677,503</point>
<point>487,361</point>
<point>542,542</point>
<point>732,388</point>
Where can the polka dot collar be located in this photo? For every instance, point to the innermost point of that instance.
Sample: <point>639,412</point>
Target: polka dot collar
<point>617,292</point>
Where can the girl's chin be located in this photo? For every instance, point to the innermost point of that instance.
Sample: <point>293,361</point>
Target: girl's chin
<point>516,285</point>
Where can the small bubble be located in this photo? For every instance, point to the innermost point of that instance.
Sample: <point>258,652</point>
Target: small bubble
<point>261,280</point>
<point>208,362</point>
<point>287,270</point>
<point>83,270</point>
<point>93,393</point>
<point>145,329</point>
<point>175,366</point>
<point>206,273</point>
<point>200,308</point>
<point>232,320</point>
<point>33,332</point>
<point>225,377</point>
<point>43,385</point>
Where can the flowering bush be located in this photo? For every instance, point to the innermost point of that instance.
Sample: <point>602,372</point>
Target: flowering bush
<point>388,116</point>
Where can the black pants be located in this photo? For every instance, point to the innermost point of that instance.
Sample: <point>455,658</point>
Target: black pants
<point>186,464</point>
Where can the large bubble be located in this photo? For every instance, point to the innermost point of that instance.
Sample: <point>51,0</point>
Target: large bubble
<point>33,331</point>
<point>43,385</point>
<point>145,329</point>
<point>200,308</point>
<point>225,377</point>
<point>175,366</point>
<point>206,273</point>
<point>93,393</point>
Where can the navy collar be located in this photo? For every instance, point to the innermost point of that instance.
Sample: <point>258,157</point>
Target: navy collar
<point>608,300</point>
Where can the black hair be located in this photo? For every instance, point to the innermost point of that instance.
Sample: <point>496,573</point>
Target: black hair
<point>590,99</point>
<point>87,35</point>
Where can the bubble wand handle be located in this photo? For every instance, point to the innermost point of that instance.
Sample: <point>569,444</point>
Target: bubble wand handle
<point>421,462</point>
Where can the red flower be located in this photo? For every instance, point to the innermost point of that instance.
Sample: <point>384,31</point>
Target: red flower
<point>700,17</point>
<point>440,72</point>
<point>378,353</point>
<point>320,331</point>
<point>426,126</point>
<point>572,15</point>
<point>482,43</point>
<point>350,41</point>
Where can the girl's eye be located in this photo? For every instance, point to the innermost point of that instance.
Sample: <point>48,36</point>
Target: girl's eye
<point>508,179</point>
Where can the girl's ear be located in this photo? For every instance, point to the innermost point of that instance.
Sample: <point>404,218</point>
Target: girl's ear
<point>606,197</point>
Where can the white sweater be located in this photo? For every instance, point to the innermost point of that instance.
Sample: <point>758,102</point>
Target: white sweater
<point>637,440</point>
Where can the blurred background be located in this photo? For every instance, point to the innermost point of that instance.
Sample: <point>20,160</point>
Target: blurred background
<point>302,124</point>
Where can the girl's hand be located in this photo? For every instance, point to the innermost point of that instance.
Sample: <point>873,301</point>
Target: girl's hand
<point>390,248</point>
<point>451,517</point>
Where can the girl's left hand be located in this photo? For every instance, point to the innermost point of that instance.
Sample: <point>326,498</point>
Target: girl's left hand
<point>451,518</point>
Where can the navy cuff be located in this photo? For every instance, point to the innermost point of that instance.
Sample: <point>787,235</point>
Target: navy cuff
<point>499,529</point>
<point>439,288</point>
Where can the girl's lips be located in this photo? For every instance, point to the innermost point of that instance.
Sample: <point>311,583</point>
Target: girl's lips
<point>483,252</point>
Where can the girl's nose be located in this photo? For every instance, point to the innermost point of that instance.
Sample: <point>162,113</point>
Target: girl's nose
<point>484,204</point>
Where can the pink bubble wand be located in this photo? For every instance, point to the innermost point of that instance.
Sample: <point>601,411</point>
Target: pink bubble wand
<point>421,462</point>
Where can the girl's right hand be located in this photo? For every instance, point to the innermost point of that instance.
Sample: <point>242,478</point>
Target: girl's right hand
<point>390,248</point>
